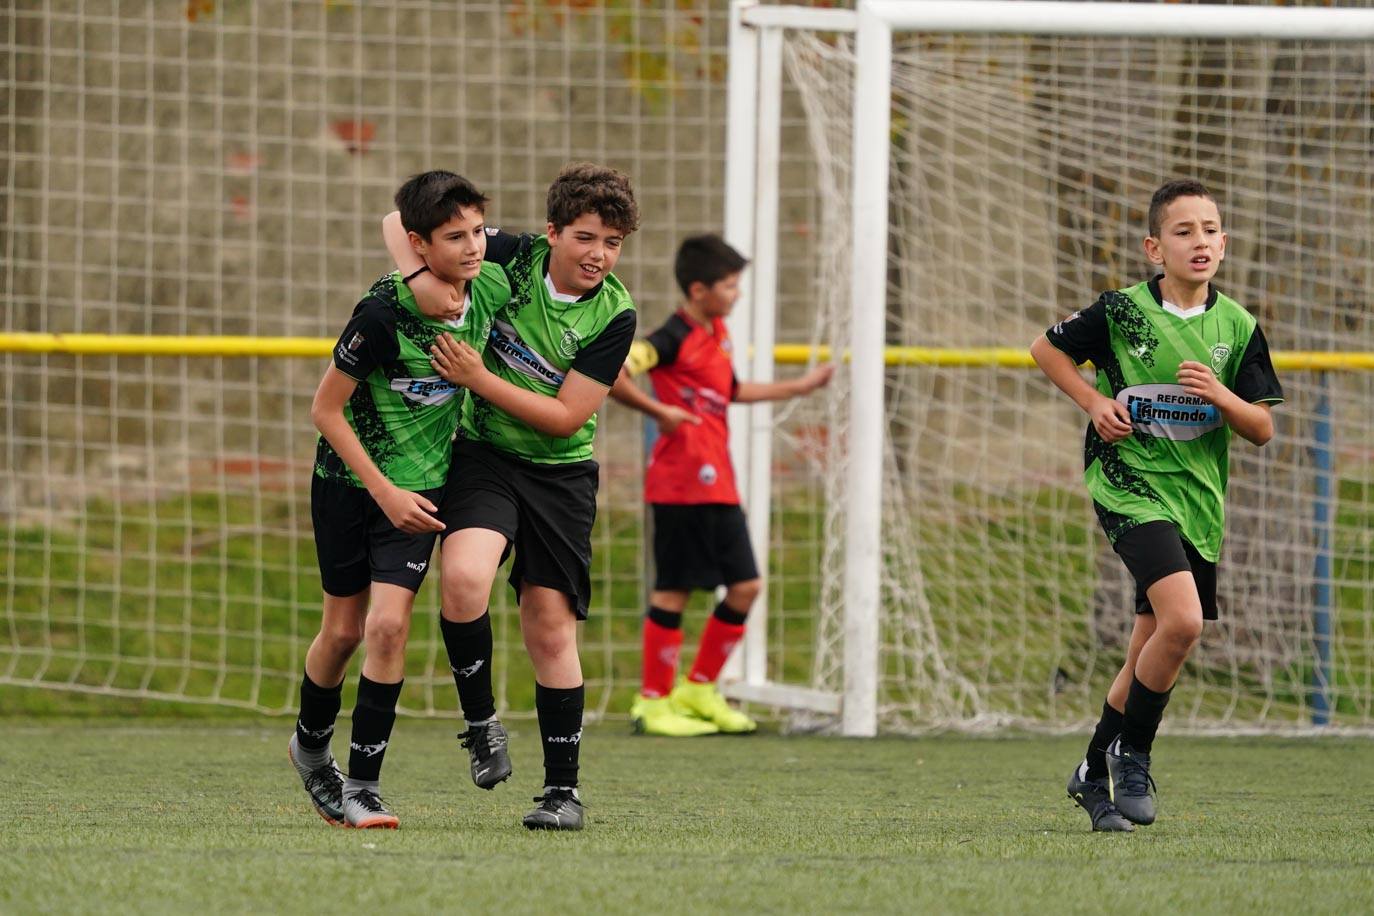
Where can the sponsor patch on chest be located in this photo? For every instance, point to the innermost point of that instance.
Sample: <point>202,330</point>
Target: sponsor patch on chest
<point>1169,412</point>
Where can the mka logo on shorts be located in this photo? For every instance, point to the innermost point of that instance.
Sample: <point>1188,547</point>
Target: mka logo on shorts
<point>1169,412</point>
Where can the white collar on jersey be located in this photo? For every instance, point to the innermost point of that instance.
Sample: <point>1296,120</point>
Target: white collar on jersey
<point>1183,313</point>
<point>467,304</point>
<point>557,296</point>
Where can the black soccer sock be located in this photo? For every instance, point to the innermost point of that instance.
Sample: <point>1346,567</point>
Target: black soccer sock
<point>666,619</point>
<point>319,710</point>
<point>469,658</point>
<point>372,720</point>
<point>1144,709</point>
<point>728,615</point>
<point>1108,727</point>
<point>560,725</point>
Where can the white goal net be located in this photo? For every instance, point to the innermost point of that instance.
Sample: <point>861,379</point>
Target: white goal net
<point>1020,170</point>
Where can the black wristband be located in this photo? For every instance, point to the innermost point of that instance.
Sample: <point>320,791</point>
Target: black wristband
<point>423,268</point>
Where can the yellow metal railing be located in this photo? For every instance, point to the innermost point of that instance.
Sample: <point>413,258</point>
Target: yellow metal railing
<point>784,354</point>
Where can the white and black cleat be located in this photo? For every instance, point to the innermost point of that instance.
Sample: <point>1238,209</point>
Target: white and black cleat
<point>323,784</point>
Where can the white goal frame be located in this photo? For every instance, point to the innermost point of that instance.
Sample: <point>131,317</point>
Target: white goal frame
<point>751,225</point>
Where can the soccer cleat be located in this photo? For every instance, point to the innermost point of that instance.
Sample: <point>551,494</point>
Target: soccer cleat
<point>1094,797</point>
<point>323,784</point>
<point>704,702</point>
<point>558,809</point>
<point>365,810</point>
<point>1130,782</point>
<point>656,716</point>
<point>486,746</point>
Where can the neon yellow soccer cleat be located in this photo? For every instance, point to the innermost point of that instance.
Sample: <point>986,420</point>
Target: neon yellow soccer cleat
<point>704,702</point>
<point>658,717</point>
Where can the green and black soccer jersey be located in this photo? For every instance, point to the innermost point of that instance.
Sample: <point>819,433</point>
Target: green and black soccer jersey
<point>403,413</point>
<point>537,339</point>
<point>1174,466</point>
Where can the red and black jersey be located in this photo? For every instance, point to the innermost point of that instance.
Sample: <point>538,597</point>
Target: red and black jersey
<point>690,367</point>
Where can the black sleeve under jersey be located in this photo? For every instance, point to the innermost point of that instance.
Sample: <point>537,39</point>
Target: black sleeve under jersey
<point>502,247</point>
<point>367,341</point>
<point>1256,381</point>
<point>1084,335</point>
<point>601,359</point>
<point>667,340</point>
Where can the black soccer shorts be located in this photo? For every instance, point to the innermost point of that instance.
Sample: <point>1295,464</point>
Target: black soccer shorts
<point>1154,550</point>
<point>356,544</point>
<point>546,512</point>
<point>701,547</point>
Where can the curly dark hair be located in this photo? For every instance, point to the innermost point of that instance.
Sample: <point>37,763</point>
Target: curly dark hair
<point>585,187</point>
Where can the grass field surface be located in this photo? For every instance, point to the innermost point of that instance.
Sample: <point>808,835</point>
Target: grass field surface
<point>155,815</point>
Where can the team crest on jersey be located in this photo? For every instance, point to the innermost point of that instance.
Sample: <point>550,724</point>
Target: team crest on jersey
<point>568,345</point>
<point>1220,353</point>
<point>355,342</point>
<point>707,474</point>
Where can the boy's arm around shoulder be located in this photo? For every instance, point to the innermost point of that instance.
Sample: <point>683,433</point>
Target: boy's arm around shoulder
<point>432,295</point>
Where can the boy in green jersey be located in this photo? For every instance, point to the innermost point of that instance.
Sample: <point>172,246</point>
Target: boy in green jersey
<point>385,420</point>
<point>522,475</point>
<point>1179,368</point>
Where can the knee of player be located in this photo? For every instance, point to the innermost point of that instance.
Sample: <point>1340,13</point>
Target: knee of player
<point>549,642</point>
<point>741,595</point>
<point>1182,635</point>
<point>387,631</point>
<point>463,587</point>
<point>343,637</point>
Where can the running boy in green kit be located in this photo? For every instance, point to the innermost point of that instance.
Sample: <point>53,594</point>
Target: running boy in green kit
<point>1180,366</point>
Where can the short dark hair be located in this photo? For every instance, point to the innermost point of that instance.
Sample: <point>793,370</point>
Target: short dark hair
<point>584,187</point>
<point>706,259</point>
<point>1169,192</point>
<point>430,199</point>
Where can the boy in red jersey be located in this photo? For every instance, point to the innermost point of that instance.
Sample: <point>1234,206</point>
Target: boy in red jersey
<point>701,540</point>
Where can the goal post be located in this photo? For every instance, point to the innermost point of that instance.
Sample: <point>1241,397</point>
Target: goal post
<point>884,203</point>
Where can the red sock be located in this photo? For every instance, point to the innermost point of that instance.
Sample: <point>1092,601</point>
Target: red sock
<point>661,647</point>
<point>723,630</point>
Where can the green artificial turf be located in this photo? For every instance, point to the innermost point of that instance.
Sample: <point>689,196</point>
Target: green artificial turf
<point>208,816</point>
